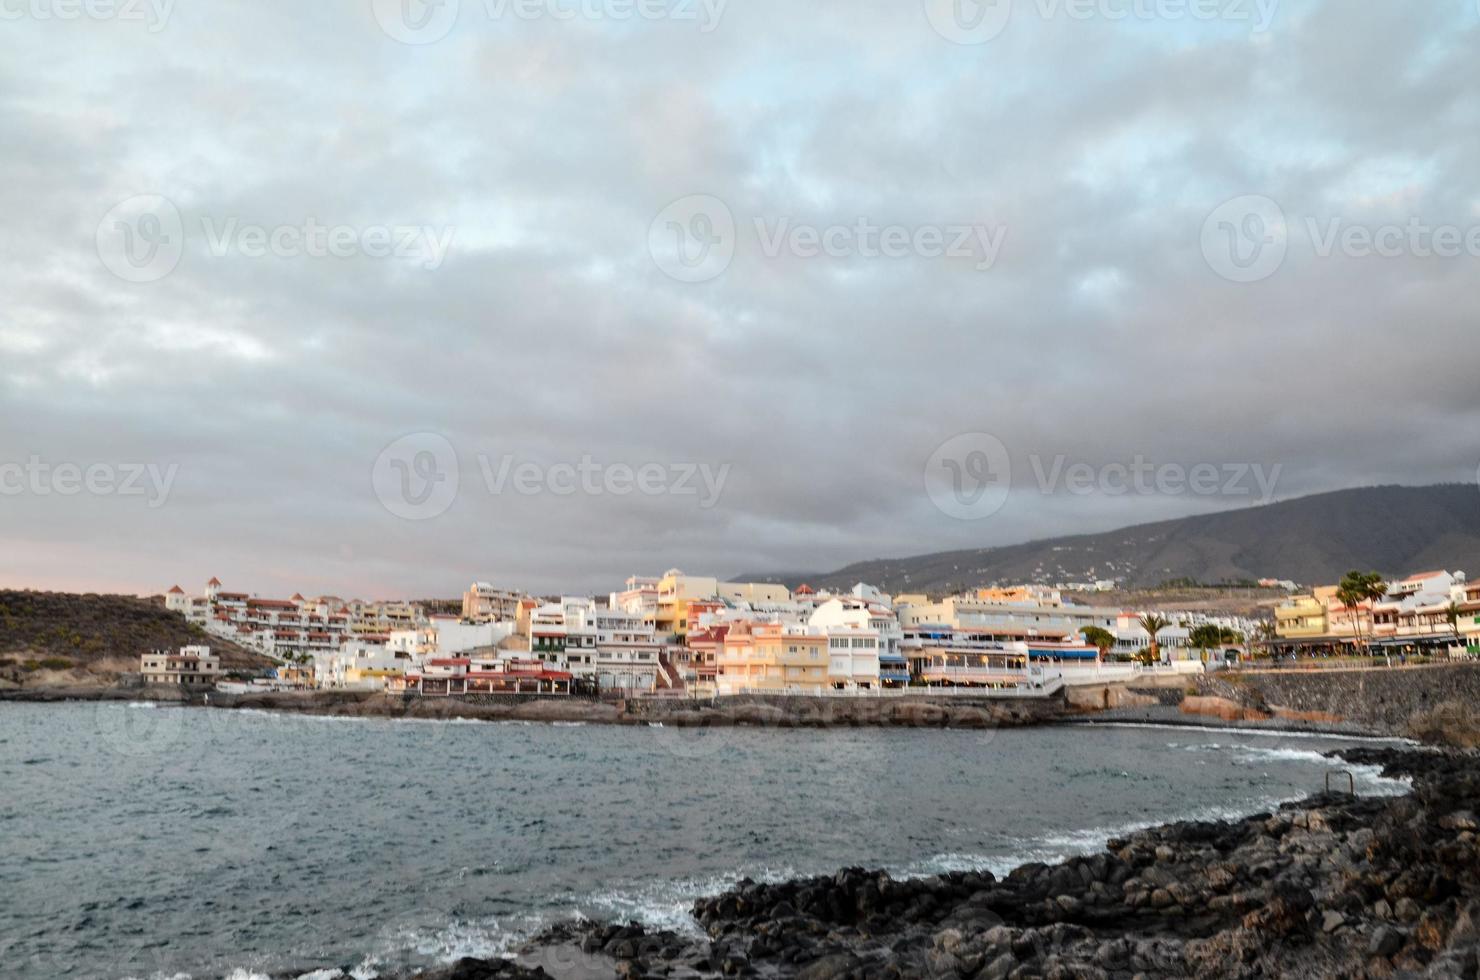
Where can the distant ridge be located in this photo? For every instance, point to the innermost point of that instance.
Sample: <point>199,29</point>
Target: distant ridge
<point>1393,529</point>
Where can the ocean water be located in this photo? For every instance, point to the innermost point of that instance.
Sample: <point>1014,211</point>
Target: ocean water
<point>144,842</point>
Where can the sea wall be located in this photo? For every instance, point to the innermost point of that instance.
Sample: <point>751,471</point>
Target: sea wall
<point>910,711</point>
<point>1385,700</point>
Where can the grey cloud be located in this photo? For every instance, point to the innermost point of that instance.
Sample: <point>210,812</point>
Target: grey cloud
<point>825,383</point>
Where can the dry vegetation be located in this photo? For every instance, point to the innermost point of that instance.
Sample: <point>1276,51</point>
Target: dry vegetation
<point>49,638</point>
<point>1223,601</point>
<point>1450,723</point>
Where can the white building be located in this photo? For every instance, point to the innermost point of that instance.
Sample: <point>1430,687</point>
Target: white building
<point>610,648</point>
<point>191,667</point>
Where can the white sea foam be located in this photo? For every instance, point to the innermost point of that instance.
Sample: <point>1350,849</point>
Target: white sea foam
<point>1058,846</point>
<point>667,904</point>
<point>489,938</point>
<point>1260,732</point>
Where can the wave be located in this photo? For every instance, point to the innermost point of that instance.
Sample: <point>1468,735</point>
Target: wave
<point>1052,848</point>
<point>667,904</point>
<point>1258,732</point>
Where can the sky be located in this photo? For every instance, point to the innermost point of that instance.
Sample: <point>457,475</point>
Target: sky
<point>378,298</point>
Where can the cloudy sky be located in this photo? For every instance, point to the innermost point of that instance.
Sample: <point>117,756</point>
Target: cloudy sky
<point>378,298</point>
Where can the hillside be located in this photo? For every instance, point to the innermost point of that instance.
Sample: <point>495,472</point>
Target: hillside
<point>1315,539</point>
<point>54,632</point>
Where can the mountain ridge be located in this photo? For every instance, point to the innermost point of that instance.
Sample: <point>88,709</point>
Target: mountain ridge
<point>1396,530</point>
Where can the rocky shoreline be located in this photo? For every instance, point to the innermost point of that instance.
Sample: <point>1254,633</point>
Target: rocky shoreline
<point>1335,885</point>
<point>778,711</point>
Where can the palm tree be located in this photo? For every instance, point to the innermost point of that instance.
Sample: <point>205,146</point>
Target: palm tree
<point>1153,624</point>
<point>1451,613</point>
<point>1374,586</point>
<point>1357,588</point>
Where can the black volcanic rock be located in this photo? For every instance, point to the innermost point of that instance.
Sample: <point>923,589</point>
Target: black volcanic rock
<point>1333,886</point>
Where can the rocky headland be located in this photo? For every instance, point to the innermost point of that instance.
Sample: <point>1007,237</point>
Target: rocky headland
<point>1333,886</point>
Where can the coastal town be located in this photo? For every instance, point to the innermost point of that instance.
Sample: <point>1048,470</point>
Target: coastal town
<point>687,636</point>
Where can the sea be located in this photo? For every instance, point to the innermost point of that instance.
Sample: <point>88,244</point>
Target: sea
<point>152,841</point>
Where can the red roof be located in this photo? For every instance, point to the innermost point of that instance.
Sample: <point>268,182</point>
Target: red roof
<point>805,589</point>
<point>214,581</point>
<point>297,597</point>
<point>177,591</point>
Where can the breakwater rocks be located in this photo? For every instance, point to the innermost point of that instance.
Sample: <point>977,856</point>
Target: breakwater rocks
<point>1334,886</point>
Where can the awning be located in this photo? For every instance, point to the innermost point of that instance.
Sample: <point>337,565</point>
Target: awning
<point>1416,641</point>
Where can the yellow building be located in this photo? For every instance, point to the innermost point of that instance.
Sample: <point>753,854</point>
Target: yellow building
<point>377,678</point>
<point>1300,617</point>
<point>1321,617</point>
<point>772,658</point>
<point>677,592</point>
<point>1039,595</point>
